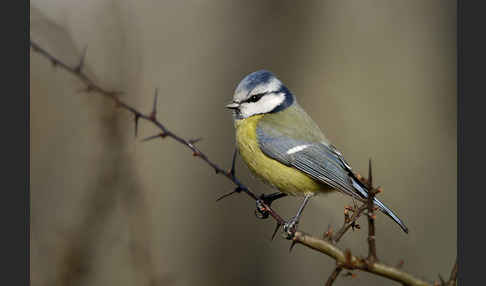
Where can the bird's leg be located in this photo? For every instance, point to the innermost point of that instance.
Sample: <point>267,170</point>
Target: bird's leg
<point>268,199</point>
<point>261,212</point>
<point>291,225</point>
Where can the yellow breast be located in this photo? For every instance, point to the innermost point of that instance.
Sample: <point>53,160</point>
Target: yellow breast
<point>287,179</point>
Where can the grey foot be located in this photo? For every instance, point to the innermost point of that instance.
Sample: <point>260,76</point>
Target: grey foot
<point>290,227</point>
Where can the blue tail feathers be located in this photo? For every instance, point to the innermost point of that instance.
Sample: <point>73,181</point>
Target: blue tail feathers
<point>391,214</point>
<point>364,193</point>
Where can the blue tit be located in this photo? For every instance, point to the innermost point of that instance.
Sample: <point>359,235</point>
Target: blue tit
<point>285,148</point>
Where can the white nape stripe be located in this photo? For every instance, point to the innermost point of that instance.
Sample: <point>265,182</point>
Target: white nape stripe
<point>297,149</point>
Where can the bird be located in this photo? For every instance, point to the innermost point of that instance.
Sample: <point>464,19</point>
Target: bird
<point>281,145</point>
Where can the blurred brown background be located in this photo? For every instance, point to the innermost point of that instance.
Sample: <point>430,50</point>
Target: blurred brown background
<point>378,76</point>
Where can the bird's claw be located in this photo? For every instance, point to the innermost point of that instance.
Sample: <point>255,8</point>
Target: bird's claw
<point>261,211</point>
<point>290,227</point>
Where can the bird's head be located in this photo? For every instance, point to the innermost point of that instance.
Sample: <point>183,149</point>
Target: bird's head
<point>258,93</point>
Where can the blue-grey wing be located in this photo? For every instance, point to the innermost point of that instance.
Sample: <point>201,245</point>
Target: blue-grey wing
<point>320,161</point>
<point>313,155</point>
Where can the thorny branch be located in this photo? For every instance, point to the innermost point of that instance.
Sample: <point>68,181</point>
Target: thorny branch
<point>453,278</point>
<point>334,275</point>
<point>349,222</point>
<point>91,86</point>
<point>351,262</point>
<point>326,246</point>
<point>371,218</point>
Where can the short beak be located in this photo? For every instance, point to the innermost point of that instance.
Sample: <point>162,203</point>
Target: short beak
<point>233,105</point>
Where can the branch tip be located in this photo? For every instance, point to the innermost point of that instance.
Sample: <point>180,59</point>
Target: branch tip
<point>372,257</point>
<point>294,242</point>
<point>78,69</point>
<point>136,119</point>
<point>194,141</point>
<point>350,274</point>
<point>87,89</point>
<point>334,275</point>
<point>328,234</point>
<point>442,281</point>
<point>161,135</point>
<point>231,172</point>
<point>277,226</point>
<point>453,278</point>
<point>348,257</point>
<point>370,175</point>
<point>153,114</point>
<point>236,190</point>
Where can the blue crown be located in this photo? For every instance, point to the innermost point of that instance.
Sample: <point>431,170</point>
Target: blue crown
<point>254,79</point>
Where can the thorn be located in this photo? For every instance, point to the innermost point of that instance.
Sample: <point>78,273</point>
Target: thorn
<point>233,163</point>
<point>154,108</point>
<point>276,229</point>
<point>86,89</point>
<point>137,117</point>
<point>347,219</point>
<point>400,263</point>
<point>115,93</point>
<point>197,153</point>
<point>442,281</point>
<point>350,208</point>
<point>349,273</point>
<point>237,190</point>
<point>194,141</point>
<point>370,177</point>
<point>328,233</point>
<point>292,245</point>
<point>34,46</point>
<point>161,135</point>
<point>347,255</point>
<point>117,102</point>
<point>54,64</point>
<point>79,67</point>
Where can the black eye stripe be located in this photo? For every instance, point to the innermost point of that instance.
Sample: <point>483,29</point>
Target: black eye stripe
<point>255,97</point>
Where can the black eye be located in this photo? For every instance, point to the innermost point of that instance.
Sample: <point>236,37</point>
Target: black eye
<point>255,97</point>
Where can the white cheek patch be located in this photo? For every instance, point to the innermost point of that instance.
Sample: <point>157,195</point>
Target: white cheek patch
<point>297,149</point>
<point>266,104</point>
